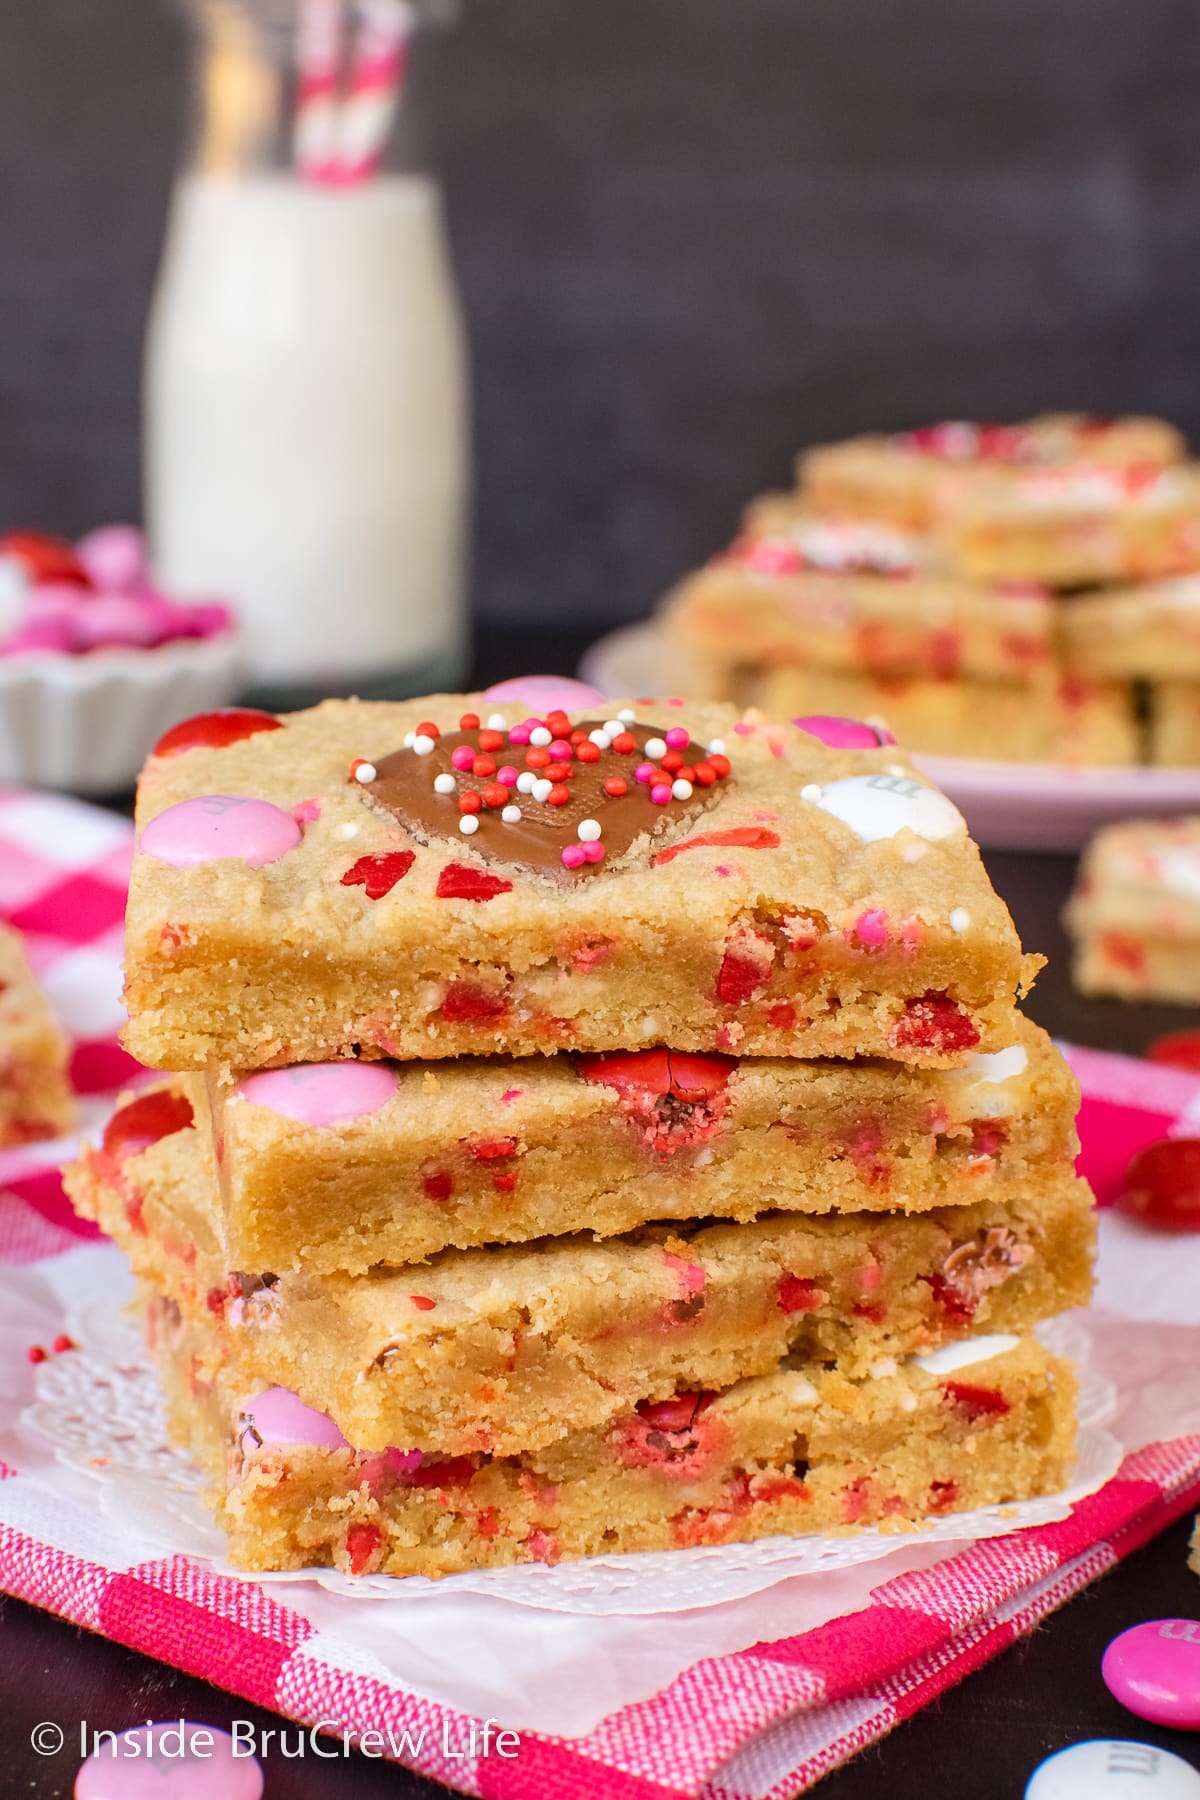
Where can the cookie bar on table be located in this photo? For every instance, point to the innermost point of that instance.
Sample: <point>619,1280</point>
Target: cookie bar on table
<point>1151,631</point>
<point>340,1165</point>
<point>509,1348</point>
<point>914,478</point>
<point>1175,724</point>
<point>1135,911</point>
<point>35,1093</point>
<point>799,1450</point>
<point>1068,719</point>
<point>449,877</point>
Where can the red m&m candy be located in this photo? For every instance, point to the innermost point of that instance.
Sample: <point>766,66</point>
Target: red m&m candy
<point>216,730</point>
<point>1162,1185</point>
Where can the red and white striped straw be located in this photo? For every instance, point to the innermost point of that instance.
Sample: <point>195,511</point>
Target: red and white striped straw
<point>374,88</point>
<point>320,30</point>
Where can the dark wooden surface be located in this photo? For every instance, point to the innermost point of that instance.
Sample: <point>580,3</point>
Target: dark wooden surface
<point>979,1743</point>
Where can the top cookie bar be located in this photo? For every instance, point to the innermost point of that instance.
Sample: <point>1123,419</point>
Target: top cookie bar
<point>449,876</point>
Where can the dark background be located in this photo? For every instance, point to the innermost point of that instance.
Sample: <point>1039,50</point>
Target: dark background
<point>692,234</point>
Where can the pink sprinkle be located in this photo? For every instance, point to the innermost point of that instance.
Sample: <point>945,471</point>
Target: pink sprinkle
<point>645,772</point>
<point>507,776</point>
<point>766,818</point>
<point>574,855</point>
<point>520,734</point>
<point>722,869</point>
<point>660,795</point>
<point>404,1462</point>
<point>306,812</point>
<point>869,1276</point>
<point>872,927</point>
<point>744,730</point>
<point>593,852</point>
<point>463,757</point>
<point>689,1275</point>
<point>562,750</point>
<point>509,1095</point>
<point>677,738</point>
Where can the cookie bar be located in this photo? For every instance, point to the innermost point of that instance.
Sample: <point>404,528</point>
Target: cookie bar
<point>459,894</point>
<point>1080,526</point>
<point>1151,631</point>
<point>1068,720</point>
<point>799,1450</point>
<point>35,1093</point>
<point>508,1348</point>
<point>339,1166</point>
<point>914,478</point>
<point>1135,911</point>
<point>1175,724</point>
<point>749,612</point>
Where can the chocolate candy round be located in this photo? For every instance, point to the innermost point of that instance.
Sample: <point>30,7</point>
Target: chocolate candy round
<point>217,826</point>
<point>277,1416</point>
<point>546,693</point>
<point>1162,1185</point>
<point>1154,1670</point>
<point>173,1760</point>
<point>1113,1769</point>
<point>844,734</point>
<point>322,1093</point>
<point>878,806</point>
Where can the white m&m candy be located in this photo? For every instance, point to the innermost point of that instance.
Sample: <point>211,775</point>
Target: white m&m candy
<point>1113,1769</point>
<point>878,806</point>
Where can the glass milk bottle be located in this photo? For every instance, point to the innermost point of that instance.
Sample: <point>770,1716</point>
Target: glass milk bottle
<point>305,384</point>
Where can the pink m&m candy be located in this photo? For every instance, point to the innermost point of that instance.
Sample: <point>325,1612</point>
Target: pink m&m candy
<point>1154,1670</point>
<point>277,1416</point>
<point>220,825</point>
<point>174,1760</point>
<point>322,1093</point>
<point>545,693</point>
<point>844,734</point>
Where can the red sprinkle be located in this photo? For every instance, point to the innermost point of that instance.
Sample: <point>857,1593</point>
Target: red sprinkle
<point>558,796</point>
<point>362,1541</point>
<point>624,743</point>
<point>462,881</point>
<point>934,1022</point>
<point>63,1342</point>
<point>537,758</point>
<point>672,762</point>
<point>35,1354</point>
<point>491,740</point>
<point>464,1001</point>
<point>469,722</point>
<point>704,775</point>
<point>215,730</point>
<point>556,771</point>
<point>483,766</point>
<point>720,763</point>
<point>588,753</point>
<point>426,729</point>
<point>437,1185</point>
<point>740,837</point>
<point>470,802</point>
<point>976,1402</point>
<point>379,874</point>
<point>616,786</point>
<point>505,1183</point>
<point>797,1295</point>
<point>495,794</point>
<point>422,1302</point>
<point>146,1121</point>
<point>493,1149</point>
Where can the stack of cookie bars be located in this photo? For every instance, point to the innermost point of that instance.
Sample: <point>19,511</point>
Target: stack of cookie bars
<point>595,1133</point>
<point>1027,592</point>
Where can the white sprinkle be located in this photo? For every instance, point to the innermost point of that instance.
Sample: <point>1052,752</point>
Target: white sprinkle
<point>526,781</point>
<point>589,830</point>
<point>960,918</point>
<point>883,1367</point>
<point>613,727</point>
<point>811,791</point>
<point>424,746</point>
<point>681,790</point>
<point>365,772</point>
<point>541,789</point>
<point>345,832</point>
<point>913,851</point>
<point>717,747</point>
<point>444,784</point>
<point>468,824</point>
<point>497,722</point>
<point>897,769</point>
<point>410,738</point>
<point>511,814</point>
<point>541,737</point>
<point>654,748</point>
<point>648,1026</point>
<point>627,715</point>
<point>600,738</point>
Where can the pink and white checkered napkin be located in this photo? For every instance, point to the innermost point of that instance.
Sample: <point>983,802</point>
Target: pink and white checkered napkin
<point>761,1723</point>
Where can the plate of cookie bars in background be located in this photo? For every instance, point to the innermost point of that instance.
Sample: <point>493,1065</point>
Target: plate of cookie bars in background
<point>1019,605</point>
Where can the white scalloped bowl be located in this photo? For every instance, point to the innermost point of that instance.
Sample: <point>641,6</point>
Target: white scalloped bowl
<point>87,723</point>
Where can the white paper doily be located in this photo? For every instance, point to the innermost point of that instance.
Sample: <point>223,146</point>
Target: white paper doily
<point>101,1410</point>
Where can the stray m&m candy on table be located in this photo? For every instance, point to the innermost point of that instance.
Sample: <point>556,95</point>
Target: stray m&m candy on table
<point>1154,1670</point>
<point>1113,1769</point>
<point>1162,1185</point>
<point>172,1760</point>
